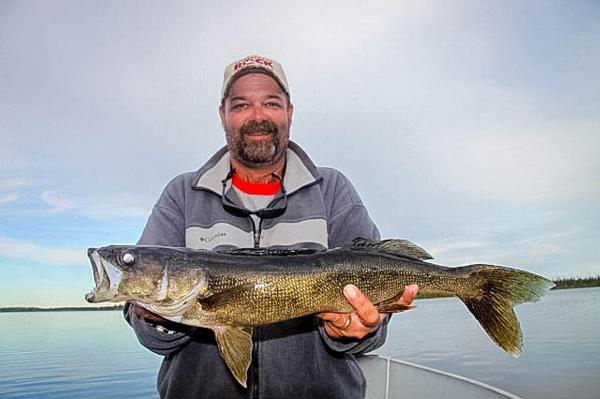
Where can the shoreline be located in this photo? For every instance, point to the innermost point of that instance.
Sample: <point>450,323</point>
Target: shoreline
<point>16,309</point>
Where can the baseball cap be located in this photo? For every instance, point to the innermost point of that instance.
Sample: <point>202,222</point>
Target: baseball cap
<point>254,64</point>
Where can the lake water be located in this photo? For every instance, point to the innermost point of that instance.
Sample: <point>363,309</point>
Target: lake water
<point>95,354</point>
<point>561,351</point>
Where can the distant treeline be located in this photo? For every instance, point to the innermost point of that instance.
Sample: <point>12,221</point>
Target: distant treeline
<point>561,283</point>
<point>577,282</point>
<point>60,309</point>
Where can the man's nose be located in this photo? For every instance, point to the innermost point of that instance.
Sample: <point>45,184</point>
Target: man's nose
<point>258,112</point>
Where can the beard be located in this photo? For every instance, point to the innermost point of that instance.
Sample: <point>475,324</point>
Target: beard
<point>255,153</point>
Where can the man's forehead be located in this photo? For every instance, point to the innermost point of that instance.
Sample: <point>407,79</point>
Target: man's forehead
<point>255,83</point>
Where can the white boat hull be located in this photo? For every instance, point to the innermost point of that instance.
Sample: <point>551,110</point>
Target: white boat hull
<point>392,379</point>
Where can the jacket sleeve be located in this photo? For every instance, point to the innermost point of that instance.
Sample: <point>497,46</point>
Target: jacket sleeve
<point>155,338</point>
<point>348,219</point>
<point>165,226</point>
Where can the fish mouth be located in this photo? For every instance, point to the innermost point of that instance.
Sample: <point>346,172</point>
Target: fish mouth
<point>106,277</point>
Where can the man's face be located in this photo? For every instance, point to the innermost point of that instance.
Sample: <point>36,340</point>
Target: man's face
<point>256,116</point>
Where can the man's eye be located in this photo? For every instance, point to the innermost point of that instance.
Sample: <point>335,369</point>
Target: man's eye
<point>273,105</point>
<point>239,106</point>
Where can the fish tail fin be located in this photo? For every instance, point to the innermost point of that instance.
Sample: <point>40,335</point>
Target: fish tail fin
<point>491,296</point>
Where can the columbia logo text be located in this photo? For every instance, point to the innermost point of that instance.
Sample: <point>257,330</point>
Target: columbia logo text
<point>211,238</point>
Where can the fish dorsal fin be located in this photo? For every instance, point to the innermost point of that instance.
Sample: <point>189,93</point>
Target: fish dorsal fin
<point>402,248</point>
<point>235,345</point>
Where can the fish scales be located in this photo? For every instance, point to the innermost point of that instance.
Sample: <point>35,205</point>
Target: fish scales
<point>230,292</point>
<point>262,295</point>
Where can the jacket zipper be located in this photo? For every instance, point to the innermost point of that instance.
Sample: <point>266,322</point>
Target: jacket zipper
<point>256,236</point>
<point>256,233</point>
<point>255,364</point>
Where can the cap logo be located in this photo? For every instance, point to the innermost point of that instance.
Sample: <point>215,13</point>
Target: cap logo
<point>252,61</point>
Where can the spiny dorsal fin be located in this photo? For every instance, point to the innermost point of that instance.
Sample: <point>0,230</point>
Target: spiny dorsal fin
<point>235,345</point>
<point>403,248</point>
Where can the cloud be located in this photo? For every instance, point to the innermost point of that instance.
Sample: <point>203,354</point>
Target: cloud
<point>56,201</point>
<point>97,206</point>
<point>121,209</point>
<point>9,197</point>
<point>12,159</point>
<point>29,251</point>
<point>549,247</point>
<point>459,252</point>
<point>529,165</point>
<point>14,183</point>
<point>11,187</point>
<point>472,111</point>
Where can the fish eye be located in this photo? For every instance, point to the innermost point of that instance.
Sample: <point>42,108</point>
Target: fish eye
<point>127,259</point>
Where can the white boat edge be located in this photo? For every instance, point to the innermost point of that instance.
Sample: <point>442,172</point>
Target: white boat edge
<point>389,378</point>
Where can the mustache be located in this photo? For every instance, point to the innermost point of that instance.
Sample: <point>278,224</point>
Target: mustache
<point>264,126</point>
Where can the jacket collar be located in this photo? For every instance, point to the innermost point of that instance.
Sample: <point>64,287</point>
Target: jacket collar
<point>300,171</point>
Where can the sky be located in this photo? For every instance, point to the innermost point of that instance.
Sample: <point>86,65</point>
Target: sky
<point>471,128</point>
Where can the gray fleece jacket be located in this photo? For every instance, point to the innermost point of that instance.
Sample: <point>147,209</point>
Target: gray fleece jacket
<point>291,359</point>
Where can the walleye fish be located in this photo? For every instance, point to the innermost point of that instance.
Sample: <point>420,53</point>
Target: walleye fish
<point>230,292</point>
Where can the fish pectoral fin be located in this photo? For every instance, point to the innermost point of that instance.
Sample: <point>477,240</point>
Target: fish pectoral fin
<point>235,345</point>
<point>233,294</point>
<point>391,305</point>
<point>393,308</point>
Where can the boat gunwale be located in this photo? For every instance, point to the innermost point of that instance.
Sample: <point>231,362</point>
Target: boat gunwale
<point>390,360</point>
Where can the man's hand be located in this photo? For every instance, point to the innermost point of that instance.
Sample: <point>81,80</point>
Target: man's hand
<point>365,318</point>
<point>153,318</point>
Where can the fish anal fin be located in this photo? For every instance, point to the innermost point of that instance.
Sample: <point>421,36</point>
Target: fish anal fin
<point>235,345</point>
<point>402,248</point>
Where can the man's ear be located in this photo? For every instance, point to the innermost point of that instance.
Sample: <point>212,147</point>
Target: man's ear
<point>290,112</point>
<point>222,114</point>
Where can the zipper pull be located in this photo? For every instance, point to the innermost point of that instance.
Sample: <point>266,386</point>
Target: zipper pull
<point>256,239</point>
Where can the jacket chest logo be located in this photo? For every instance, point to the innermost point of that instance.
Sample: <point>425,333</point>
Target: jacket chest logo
<point>212,237</point>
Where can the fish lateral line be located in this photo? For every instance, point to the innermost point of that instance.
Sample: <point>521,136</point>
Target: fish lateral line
<point>230,294</point>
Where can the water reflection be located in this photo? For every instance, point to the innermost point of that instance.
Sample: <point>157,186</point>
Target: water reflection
<point>95,354</point>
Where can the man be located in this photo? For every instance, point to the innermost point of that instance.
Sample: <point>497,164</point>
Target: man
<point>262,190</point>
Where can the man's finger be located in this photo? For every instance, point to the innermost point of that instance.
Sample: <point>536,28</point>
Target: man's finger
<point>149,316</point>
<point>339,320</point>
<point>153,318</point>
<point>364,308</point>
<point>409,295</point>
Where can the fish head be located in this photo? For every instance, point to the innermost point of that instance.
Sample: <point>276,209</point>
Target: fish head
<point>141,273</point>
